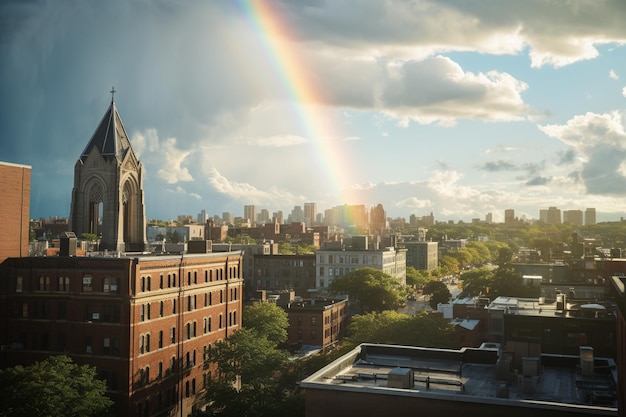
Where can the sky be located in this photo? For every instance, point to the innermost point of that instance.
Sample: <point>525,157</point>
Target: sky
<point>456,108</point>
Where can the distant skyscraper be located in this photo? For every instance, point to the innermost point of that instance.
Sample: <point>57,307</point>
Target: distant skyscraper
<point>263,217</point>
<point>590,216</point>
<point>554,215</point>
<point>249,212</point>
<point>378,219</point>
<point>509,216</point>
<point>278,216</point>
<point>228,218</point>
<point>489,218</point>
<point>573,217</point>
<point>310,213</point>
<point>202,217</point>
<point>297,215</point>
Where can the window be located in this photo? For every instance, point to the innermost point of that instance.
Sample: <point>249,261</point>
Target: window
<point>188,326</point>
<point>220,323</point>
<point>143,284</point>
<point>173,335</point>
<point>210,298</point>
<point>161,282</point>
<point>148,311</point>
<point>161,309</point>
<point>25,310</point>
<point>174,306</point>
<point>87,283</point>
<point>44,283</point>
<point>110,284</point>
<point>209,324</point>
<point>313,321</point>
<point>330,259</point>
<point>194,329</point>
<point>148,342</point>
<point>321,271</point>
<point>160,370</point>
<point>160,339</point>
<point>18,284</point>
<point>142,312</point>
<point>62,310</point>
<point>142,344</point>
<point>88,344</point>
<point>149,281</point>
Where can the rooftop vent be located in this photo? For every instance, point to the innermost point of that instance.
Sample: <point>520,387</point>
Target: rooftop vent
<point>586,360</point>
<point>400,378</point>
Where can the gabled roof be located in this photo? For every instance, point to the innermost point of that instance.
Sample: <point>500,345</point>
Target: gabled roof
<point>110,138</point>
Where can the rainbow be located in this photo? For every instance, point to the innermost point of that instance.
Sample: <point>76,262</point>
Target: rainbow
<point>308,102</point>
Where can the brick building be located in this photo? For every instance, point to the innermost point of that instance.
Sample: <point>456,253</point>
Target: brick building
<point>319,323</point>
<point>283,272</point>
<point>144,322</point>
<point>14,210</point>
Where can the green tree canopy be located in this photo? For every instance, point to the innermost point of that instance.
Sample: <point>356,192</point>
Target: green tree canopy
<point>439,293</point>
<point>449,265</point>
<point>374,289</point>
<point>421,329</point>
<point>55,387</point>
<point>476,281</point>
<point>417,278</point>
<point>248,354</point>
<point>268,319</point>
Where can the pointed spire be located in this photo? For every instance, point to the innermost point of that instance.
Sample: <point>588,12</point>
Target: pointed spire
<point>110,137</point>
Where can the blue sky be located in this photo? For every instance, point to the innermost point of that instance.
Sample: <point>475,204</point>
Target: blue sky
<point>451,107</point>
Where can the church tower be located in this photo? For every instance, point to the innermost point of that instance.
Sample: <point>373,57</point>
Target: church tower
<point>107,199</point>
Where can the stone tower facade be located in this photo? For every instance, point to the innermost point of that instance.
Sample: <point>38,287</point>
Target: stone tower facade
<point>108,199</point>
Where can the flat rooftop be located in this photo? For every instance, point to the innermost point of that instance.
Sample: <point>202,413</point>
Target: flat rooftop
<point>473,375</point>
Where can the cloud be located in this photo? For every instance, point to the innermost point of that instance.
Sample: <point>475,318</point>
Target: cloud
<point>438,89</point>
<point>613,75</point>
<point>538,181</point>
<point>245,192</point>
<point>624,91</point>
<point>500,165</point>
<point>163,155</point>
<point>600,141</point>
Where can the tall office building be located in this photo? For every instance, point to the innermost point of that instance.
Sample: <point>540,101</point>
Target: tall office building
<point>310,214</point>
<point>554,215</point>
<point>590,216</point>
<point>228,218</point>
<point>203,217</point>
<point>14,210</point>
<point>297,215</point>
<point>249,212</point>
<point>573,217</point>
<point>378,220</point>
<point>509,216</point>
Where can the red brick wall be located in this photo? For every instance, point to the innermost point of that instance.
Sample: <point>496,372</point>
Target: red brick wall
<point>14,209</point>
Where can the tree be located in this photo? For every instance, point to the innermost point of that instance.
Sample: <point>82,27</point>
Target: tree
<point>439,293</point>
<point>417,278</point>
<point>476,281</point>
<point>268,319</point>
<point>421,329</point>
<point>449,265</point>
<point>55,387</point>
<point>246,354</point>
<point>371,287</point>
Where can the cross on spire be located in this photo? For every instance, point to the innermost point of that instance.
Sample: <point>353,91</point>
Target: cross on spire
<point>112,94</point>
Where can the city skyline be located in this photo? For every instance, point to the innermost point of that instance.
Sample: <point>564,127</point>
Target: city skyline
<point>275,104</point>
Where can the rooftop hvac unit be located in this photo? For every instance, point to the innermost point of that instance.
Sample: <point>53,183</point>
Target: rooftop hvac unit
<point>400,378</point>
<point>530,366</point>
<point>586,360</point>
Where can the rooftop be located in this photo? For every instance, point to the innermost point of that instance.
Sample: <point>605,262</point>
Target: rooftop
<point>472,375</point>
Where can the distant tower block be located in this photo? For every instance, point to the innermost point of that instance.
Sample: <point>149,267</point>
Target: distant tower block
<point>108,197</point>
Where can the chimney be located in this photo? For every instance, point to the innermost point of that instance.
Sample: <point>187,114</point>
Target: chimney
<point>67,244</point>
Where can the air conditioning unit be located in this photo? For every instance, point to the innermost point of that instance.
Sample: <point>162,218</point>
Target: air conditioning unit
<point>400,378</point>
<point>95,316</point>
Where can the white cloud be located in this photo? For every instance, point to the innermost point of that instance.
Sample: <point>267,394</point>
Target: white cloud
<point>250,194</point>
<point>162,156</point>
<point>600,141</point>
<point>624,91</point>
<point>613,75</point>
